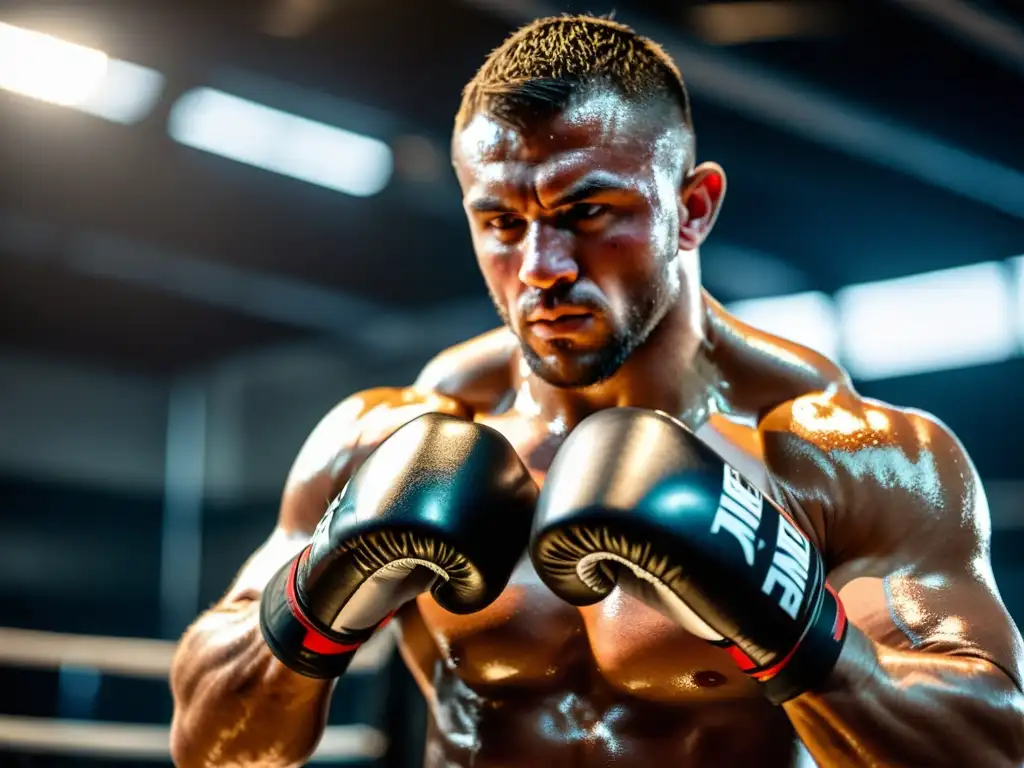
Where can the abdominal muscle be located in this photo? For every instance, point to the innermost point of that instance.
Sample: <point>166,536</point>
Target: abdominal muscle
<point>531,681</point>
<point>565,727</point>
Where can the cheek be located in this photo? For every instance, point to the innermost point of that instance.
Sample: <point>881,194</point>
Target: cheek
<point>631,261</point>
<point>634,252</point>
<point>500,271</point>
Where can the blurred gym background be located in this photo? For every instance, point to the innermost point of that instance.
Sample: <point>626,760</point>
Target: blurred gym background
<point>219,217</point>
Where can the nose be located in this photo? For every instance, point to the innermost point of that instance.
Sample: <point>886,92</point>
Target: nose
<point>547,257</point>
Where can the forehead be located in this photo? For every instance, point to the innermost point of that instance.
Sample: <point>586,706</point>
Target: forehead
<point>603,131</point>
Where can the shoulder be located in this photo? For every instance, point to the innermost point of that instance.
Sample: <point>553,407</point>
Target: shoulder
<point>472,377</point>
<point>840,426</point>
<point>883,478</point>
<point>341,441</point>
<point>763,370</point>
<point>479,372</point>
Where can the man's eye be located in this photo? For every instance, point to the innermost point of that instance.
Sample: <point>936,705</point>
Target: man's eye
<point>583,213</point>
<point>589,210</point>
<point>505,222</point>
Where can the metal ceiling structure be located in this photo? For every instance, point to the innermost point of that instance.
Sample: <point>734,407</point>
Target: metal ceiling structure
<point>863,141</point>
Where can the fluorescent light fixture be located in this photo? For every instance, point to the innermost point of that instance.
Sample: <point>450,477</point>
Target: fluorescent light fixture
<point>929,322</point>
<point>225,125</point>
<point>808,318</point>
<point>128,93</point>
<point>48,69</point>
<point>1017,264</point>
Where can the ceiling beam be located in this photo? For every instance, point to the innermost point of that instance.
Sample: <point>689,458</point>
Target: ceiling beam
<point>376,329</point>
<point>379,330</point>
<point>999,39</point>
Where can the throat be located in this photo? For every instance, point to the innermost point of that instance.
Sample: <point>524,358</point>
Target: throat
<point>671,371</point>
<point>691,390</point>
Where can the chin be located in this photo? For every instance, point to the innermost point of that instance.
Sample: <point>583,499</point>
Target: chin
<point>573,368</point>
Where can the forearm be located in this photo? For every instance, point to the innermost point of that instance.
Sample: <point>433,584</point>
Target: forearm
<point>887,707</point>
<point>234,703</point>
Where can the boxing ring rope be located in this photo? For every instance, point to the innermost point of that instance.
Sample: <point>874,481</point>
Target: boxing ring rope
<point>146,659</point>
<point>151,742</point>
<point>132,657</point>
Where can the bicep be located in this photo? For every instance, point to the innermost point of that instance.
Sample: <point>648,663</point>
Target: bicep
<point>933,589</point>
<point>312,483</point>
<point>280,547</point>
<point>906,522</point>
<point>302,506</point>
<point>954,612</point>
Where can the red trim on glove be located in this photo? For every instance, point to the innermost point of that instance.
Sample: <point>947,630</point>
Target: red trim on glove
<point>744,662</point>
<point>314,640</point>
<point>774,669</point>
<point>840,626</point>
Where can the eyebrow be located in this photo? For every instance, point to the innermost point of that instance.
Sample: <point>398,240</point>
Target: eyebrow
<point>584,189</point>
<point>588,187</point>
<point>488,205</point>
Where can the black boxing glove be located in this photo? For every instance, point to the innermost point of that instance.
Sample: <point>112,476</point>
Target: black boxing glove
<point>634,498</point>
<point>443,505</point>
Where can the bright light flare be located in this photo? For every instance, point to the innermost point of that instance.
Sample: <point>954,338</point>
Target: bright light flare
<point>55,71</point>
<point>267,138</point>
<point>49,69</point>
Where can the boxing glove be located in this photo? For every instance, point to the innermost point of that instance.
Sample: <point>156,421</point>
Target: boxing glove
<point>443,505</point>
<point>634,498</point>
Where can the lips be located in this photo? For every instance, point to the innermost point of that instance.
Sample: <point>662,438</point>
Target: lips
<point>560,324</point>
<point>562,309</point>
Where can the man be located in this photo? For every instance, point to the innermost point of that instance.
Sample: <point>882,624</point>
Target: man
<point>650,623</point>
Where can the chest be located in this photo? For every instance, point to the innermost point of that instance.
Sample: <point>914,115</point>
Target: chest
<point>528,638</point>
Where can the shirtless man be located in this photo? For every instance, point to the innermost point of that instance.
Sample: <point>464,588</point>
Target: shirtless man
<point>604,609</point>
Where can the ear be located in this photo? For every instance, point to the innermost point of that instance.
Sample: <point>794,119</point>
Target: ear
<point>699,203</point>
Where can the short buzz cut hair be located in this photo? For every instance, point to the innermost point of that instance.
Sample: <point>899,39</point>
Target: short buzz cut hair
<point>542,67</point>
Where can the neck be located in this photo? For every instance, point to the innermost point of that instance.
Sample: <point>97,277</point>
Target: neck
<point>669,372</point>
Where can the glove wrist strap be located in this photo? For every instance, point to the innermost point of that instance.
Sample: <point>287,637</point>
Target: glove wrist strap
<point>298,640</point>
<point>810,663</point>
